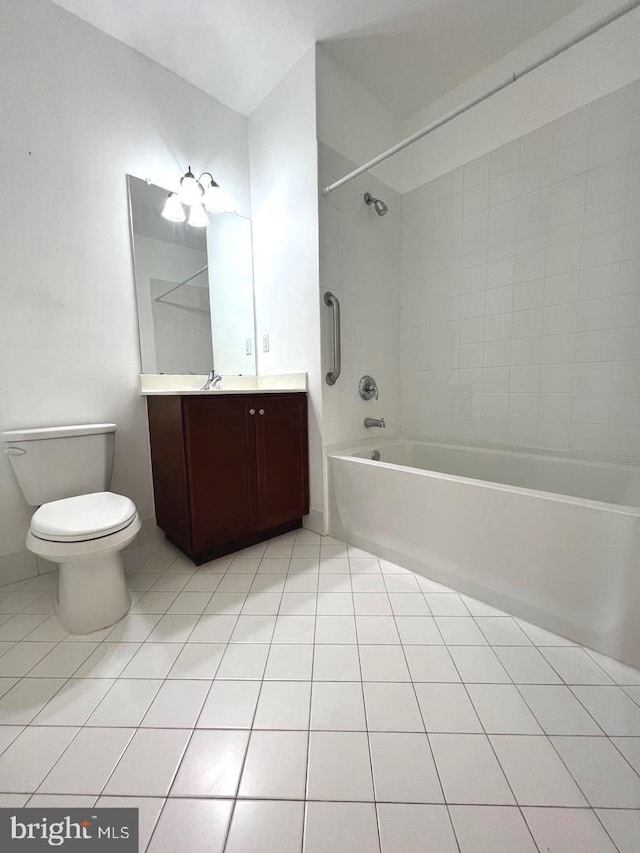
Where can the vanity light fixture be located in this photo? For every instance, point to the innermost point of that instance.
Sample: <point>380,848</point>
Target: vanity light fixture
<point>199,194</point>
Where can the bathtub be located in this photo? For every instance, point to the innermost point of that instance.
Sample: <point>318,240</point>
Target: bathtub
<point>551,539</point>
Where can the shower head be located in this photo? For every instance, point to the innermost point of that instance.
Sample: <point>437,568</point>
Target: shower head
<point>379,206</point>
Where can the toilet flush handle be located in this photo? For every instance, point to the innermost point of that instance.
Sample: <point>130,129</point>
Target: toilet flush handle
<point>15,451</point>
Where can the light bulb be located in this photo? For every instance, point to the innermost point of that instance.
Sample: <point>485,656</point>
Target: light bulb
<point>197,216</point>
<point>190,191</point>
<point>216,200</point>
<point>173,210</point>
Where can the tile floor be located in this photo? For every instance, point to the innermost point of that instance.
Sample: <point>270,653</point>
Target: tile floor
<point>303,695</point>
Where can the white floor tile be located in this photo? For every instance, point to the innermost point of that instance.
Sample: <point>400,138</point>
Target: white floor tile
<point>478,664</point>
<point>6,683</point>
<point>191,825</point>
<point>430,663</point>
<point>266,827</point>
<point>58,801</point>
<point>126,703</point>
<point>230,705</point>
<point>365,583</point>
<point>298,604</point>
<point>415,829</point>
<point>541,637</point>
<point>189,602</point>
<point>149,763</point>
<point>176,705</point>
<point>502,631</point>
<point>336,663</point>
<point>18,627</point>
<point>289,662</point>
<point>333,827</point>
<point>149,809</point>
<point>380,630</point>
<point>630,748</point>
<point>213,629</point>
<point>133,628</point>
<point>392,708</point>
<point>153,660</point>
<point>469,771</point>
<point>26,699</point>
<point>253,629</point>
<point>383,663</point>
<point>337,706</point>
<point>558,711</point>
<point>225,603</point>
<point>198,660</point>
<point>174,628</point>
<point>169,582</point>
<point>526,666</point>
<point>408,604</point>
<point>335,604</point>
<point>401,583</point>
<point>335,629</point>
<point>403,769</point>
<point>284,705</point>
<point>88,762</point>
<point>294,629</point>
<point>7,736</point>
<point>575,666</point>
<point>446,604</point>
<point>301,583</point>
<point>372,604</point>
<point>203,583</point>
<point>63,661</point>
<point>568,831</point>
<point>502,710</point>
<point>75,702</point>
<point>339,766</point>
<point>604,776</point>
<point>212,764</point>
<point>460,631</point>
<point>154,603</point>
<point>447,708</point>
<point>262,603</point>
<point>23,657</point>
<point>31,756</point>
<point>611,708</point>
<point>536,774</point>
<point>479,608</point>
<point>275,766</point>
<point>492,829</point>
<point>108,660</point>
<point>619,672</point>
<point>623,825</point>
<point>419,630</point>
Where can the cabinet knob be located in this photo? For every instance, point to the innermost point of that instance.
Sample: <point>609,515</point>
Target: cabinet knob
<point>252,411</point>
<point>261,412</point>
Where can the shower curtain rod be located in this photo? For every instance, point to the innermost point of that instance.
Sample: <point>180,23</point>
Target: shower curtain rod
<point>434,125</point>
<point>195,275</point>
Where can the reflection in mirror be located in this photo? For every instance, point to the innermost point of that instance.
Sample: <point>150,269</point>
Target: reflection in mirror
<point>194,289</point>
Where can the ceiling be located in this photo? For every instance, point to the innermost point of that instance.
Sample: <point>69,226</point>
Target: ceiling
<point>408,52</point>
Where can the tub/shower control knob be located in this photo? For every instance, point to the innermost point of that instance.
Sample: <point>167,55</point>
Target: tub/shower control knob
<point>368,388</point>
<point>252,411</point>
<point>261,412</point>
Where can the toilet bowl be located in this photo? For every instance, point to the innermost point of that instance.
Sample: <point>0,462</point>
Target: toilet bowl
<point>85,535</point>
<point>65,472</point>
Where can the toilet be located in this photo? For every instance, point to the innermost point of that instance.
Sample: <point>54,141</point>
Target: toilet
<point>65,472</point>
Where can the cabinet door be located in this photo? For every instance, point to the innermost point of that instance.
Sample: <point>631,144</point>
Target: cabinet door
<point>283,462</point>
<point>221,459</point>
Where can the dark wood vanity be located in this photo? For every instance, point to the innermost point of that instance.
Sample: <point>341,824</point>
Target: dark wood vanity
<point>229,470</point>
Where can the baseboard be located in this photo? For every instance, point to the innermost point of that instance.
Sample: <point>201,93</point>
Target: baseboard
<point>315,521</point>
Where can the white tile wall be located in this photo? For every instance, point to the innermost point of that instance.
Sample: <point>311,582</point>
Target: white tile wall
<point>520,299</point>
<point>359,262</point>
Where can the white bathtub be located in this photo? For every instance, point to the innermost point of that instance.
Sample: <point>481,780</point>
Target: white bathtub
<point>553,540</point>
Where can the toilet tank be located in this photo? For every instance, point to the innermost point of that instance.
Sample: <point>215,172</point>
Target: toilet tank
<point>51,463</point>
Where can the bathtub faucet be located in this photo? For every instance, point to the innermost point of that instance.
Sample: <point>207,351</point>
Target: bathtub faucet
<point>375,422</point>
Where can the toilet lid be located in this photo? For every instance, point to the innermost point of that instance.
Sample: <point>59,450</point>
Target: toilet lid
<point>83,517</point>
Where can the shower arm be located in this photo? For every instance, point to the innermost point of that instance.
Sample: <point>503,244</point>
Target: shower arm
<point>434,125</point>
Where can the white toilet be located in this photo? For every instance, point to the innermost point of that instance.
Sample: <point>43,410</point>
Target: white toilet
<point>65,471</point>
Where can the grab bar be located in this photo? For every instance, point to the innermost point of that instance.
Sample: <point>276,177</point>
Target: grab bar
<point>332,302</point>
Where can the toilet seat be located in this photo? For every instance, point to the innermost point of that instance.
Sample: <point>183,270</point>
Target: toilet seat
<point>83,518</point>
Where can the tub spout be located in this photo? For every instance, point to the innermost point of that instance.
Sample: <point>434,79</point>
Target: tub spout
<point>375,422</point>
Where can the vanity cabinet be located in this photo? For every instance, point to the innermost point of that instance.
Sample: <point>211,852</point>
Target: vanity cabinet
<point>228,470</point>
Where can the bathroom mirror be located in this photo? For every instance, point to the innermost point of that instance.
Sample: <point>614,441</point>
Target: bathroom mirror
<point>194,288</point>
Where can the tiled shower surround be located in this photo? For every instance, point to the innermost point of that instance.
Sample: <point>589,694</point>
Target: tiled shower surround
<point>520,300</point>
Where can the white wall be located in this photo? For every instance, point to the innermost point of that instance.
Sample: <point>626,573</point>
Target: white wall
<point>284,177</point>
<point>353,121</point>
<point>360,264</point>
<point>521,289</point>
<point>596,67</point>
<point>80,111</point>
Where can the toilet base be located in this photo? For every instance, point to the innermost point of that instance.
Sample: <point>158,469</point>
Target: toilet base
<point>92,593</point>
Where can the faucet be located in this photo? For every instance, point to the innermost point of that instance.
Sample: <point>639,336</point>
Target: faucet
<point>213,381</point>
<point>375,422</point>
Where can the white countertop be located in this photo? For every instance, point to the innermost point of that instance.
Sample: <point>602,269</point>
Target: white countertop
<point>154,385</point>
